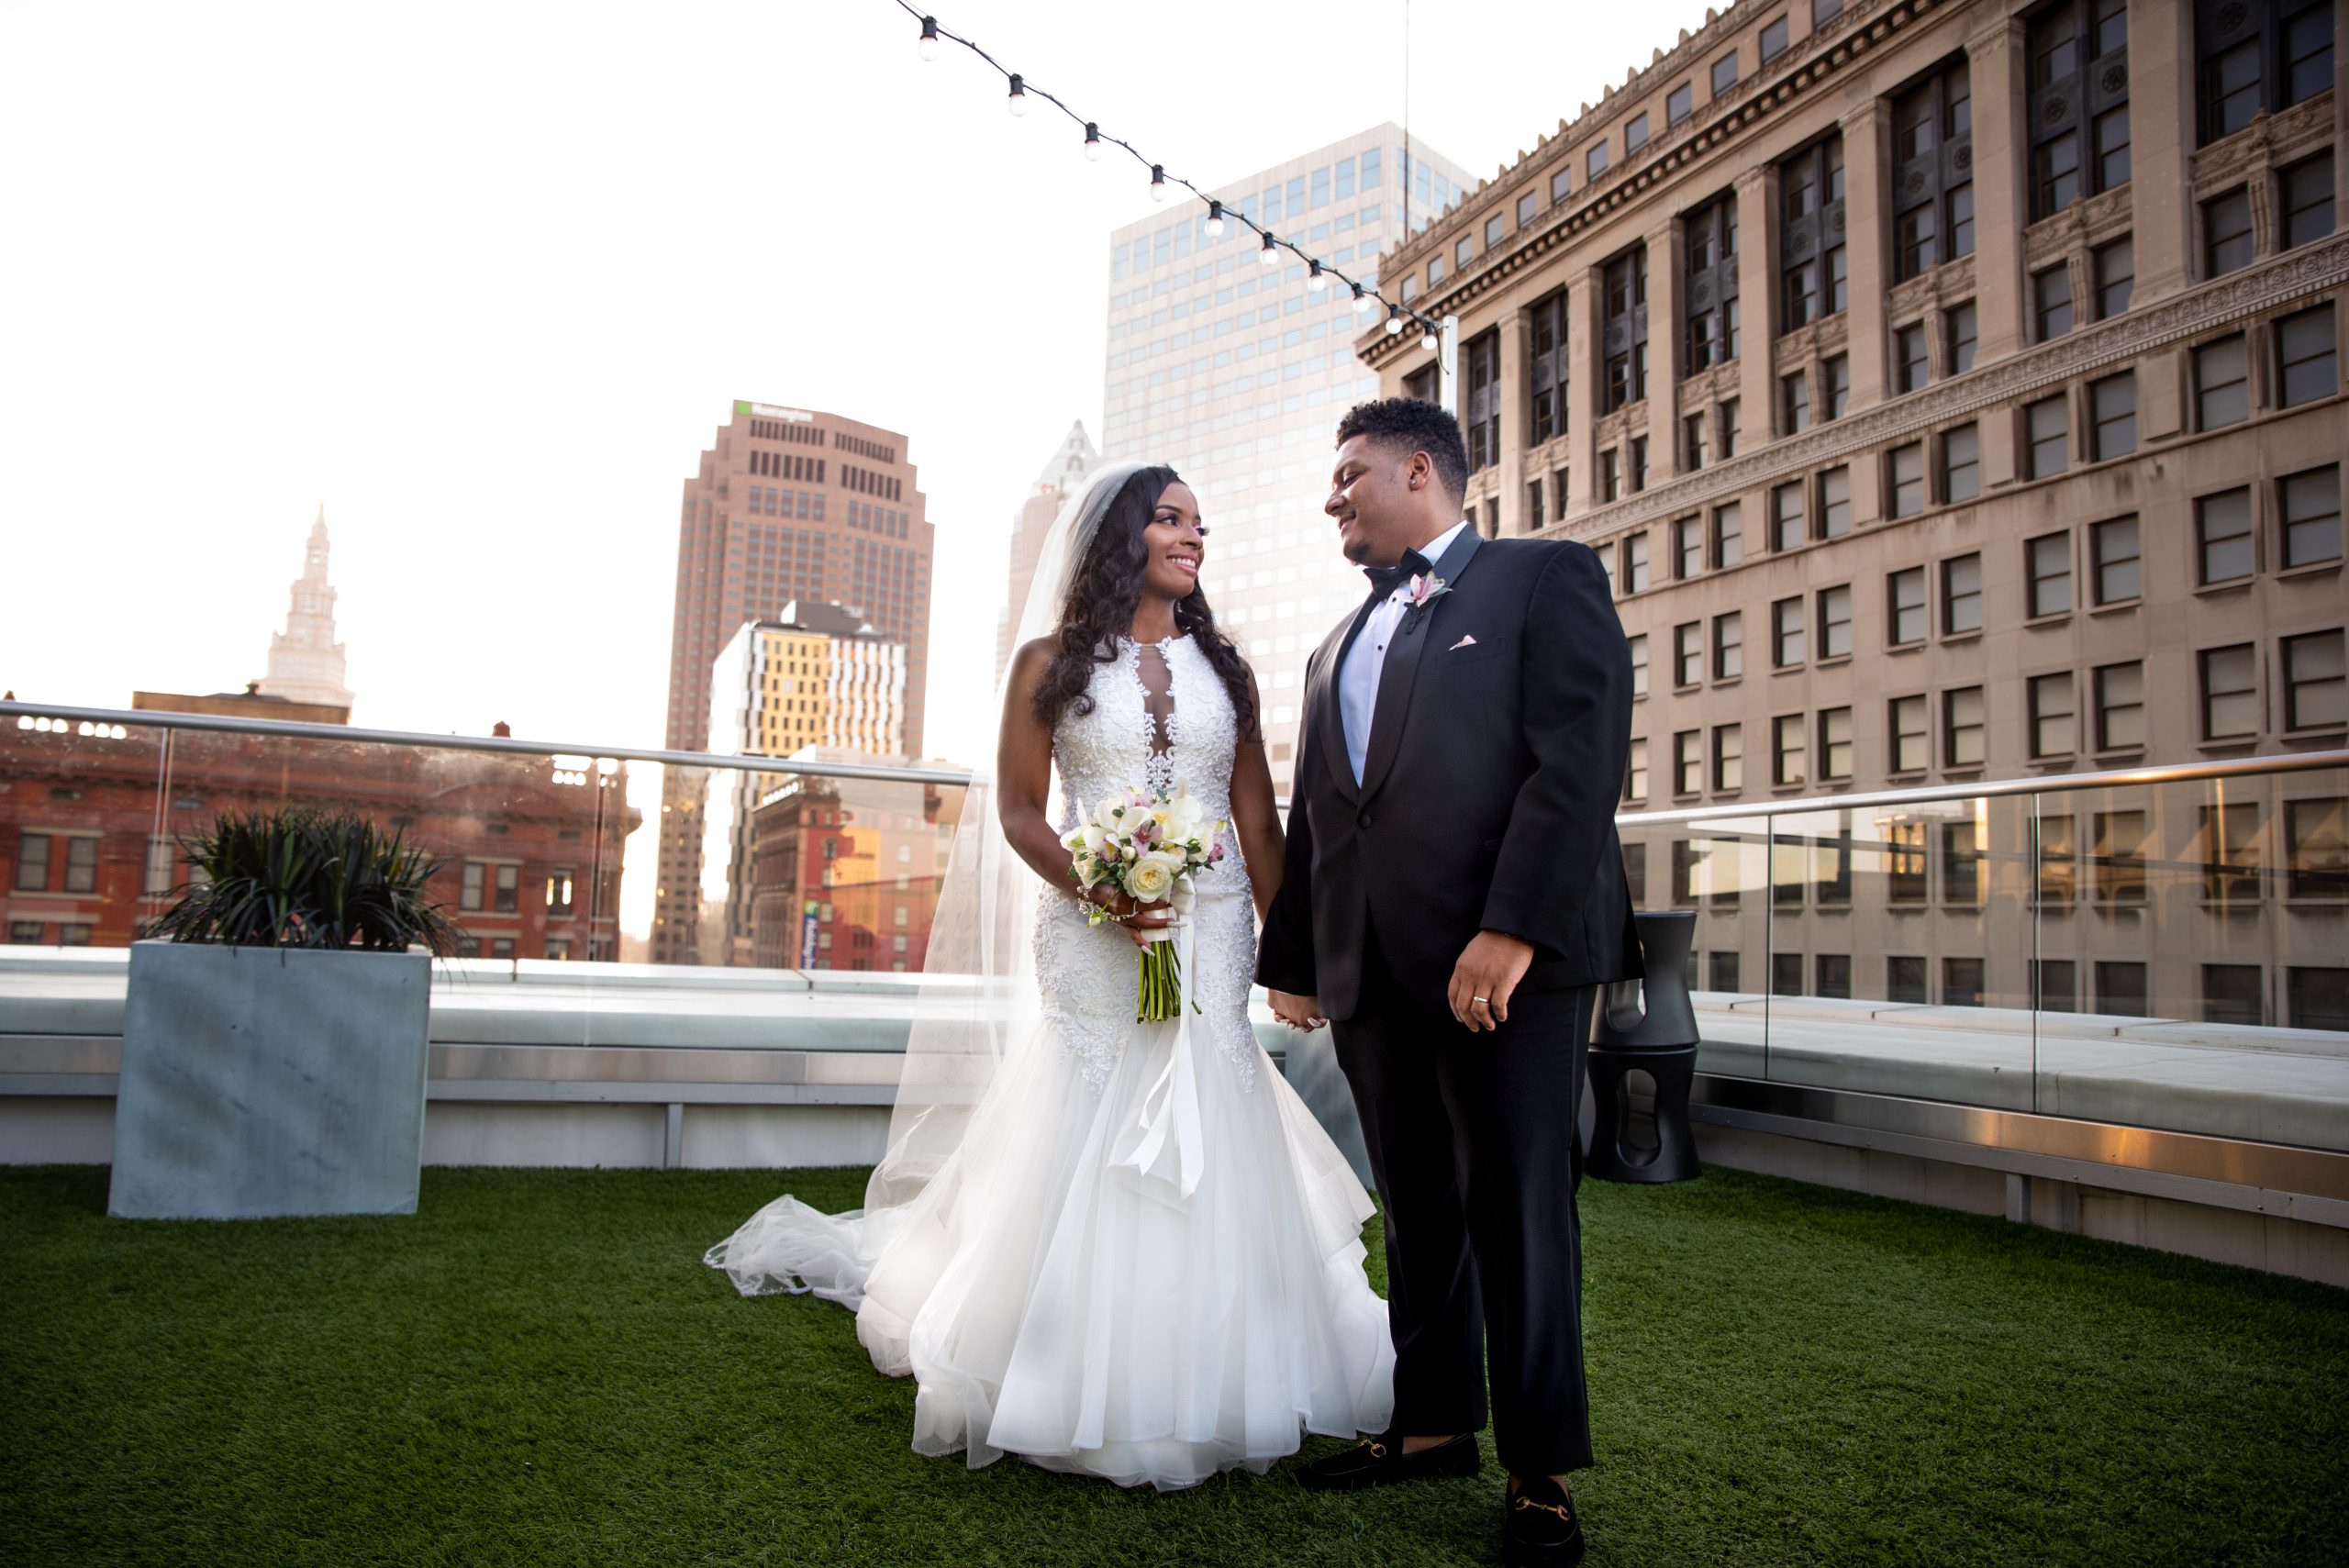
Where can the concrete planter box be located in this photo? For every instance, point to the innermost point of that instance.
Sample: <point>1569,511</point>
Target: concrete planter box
<point>265,1082</point>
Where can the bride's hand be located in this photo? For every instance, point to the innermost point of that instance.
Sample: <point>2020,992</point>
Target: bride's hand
<point>1139,919</point>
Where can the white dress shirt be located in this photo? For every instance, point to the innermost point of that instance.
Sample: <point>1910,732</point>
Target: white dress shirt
<point>1358,677</point>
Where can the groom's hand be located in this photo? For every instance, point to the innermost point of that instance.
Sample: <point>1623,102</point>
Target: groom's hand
<point>1298,1012</point>
<point>1488,972</point>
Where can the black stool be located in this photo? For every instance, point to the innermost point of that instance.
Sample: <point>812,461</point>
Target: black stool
<point>1660,1042</point>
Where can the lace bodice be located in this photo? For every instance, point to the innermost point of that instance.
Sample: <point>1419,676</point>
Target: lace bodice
<point>1161,719</point>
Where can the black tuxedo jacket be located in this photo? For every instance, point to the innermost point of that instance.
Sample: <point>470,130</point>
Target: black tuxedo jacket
<point>1487,801</point>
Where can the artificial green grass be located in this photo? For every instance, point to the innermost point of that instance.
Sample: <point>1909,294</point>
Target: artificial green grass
<point>537,1368</point>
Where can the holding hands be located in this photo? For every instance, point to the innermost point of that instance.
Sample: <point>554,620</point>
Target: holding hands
<point>1298,1012</point>
<point>1481,982</point>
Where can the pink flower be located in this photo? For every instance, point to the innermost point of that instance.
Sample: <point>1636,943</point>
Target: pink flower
<point>1215,854</point>
<point>1423,590</point>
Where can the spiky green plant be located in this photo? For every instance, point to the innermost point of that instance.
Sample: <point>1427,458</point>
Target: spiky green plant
<point>304,878</point>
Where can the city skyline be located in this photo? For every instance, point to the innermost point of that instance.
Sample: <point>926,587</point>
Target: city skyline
<point>482,336</point>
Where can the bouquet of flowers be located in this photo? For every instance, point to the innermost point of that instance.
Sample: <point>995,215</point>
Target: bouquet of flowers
<point>1147,845</point>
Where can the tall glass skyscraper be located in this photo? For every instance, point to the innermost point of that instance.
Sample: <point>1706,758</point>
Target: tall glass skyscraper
<point>1236,374</point>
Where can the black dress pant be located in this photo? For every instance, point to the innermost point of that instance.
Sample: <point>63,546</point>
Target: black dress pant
<point>1473,1148</point>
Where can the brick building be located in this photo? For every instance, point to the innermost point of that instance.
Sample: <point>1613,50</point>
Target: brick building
<point>847,871</point>
<point>89,823</point>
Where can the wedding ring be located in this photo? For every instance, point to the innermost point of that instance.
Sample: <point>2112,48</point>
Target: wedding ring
<point>1480,998</point>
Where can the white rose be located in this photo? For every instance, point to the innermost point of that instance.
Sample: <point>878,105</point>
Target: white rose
<point>1150,879</point>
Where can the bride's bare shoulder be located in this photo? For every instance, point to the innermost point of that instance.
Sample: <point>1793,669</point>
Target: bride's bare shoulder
<point>1030,661</point>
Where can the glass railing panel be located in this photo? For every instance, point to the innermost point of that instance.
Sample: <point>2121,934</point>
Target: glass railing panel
<point>2193,964</point>
<point>1718,869</point>
<point>1899,953</point>
<point>80,862</point>
<point>528,848</point>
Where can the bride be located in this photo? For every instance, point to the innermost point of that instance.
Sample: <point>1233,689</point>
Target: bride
<point>1121,1249</point>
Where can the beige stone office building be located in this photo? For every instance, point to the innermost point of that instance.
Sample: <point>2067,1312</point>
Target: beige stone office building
<point>1952,392</point>
<point>1236,374</point>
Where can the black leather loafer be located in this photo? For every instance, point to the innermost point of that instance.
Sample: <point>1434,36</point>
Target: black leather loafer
<point>1541,1528</point>
<point>1380,1460</point>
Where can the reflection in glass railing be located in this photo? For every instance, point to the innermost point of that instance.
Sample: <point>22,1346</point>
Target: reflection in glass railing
<point>2169,953</point>
<point>2168,950</point>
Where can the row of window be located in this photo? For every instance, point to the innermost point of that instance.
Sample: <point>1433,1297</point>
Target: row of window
<point>864,482</point>
<point>2310,683</point>
<point>2304,532</point>
<point>862,448</point>
<point>2227,861</point>
<point>787,465</point>
<point>1945,469</point>
<point>51,861</point>
<point>2317,998</point>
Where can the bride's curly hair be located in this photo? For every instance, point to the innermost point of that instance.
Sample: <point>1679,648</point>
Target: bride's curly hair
<point>1099,609</point>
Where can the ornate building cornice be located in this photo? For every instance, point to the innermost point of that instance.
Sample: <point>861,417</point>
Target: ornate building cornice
<point>2236,297</point>
<point>1731,118</point>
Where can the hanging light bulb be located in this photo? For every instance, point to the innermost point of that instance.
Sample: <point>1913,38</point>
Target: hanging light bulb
<point>1269,254</point>
<point>1019,95</point>
<point>1363,300</point>
<point>1394,321</point>
<point>928,47</point>
<point>1215,220</point>
<point>1091,142</point>
<point>1426,338</point>
<point>1315,281</point>
<point>1158,181</point>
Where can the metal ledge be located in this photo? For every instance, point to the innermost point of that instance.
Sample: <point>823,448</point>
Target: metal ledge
<point>2310,1184</point>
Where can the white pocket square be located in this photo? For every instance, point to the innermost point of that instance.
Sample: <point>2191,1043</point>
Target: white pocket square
<point>1463,642</point>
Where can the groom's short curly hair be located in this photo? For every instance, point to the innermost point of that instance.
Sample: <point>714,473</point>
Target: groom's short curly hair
<point>1408,425</point>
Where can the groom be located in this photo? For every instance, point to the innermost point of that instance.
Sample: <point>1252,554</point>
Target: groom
<point>1453,898</point>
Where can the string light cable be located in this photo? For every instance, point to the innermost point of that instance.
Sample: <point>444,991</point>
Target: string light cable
<point>1320,274</point>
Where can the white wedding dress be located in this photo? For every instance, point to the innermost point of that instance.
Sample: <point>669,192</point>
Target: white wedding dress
<point>1144,1261</point>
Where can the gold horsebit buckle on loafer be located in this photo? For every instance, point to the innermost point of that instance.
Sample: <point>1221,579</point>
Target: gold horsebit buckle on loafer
<point>1564,1510</point>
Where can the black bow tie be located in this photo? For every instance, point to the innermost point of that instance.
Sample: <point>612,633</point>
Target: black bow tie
<point>1385,580</point>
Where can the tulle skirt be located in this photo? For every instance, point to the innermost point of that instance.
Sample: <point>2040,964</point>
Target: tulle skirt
<point>1054,1303</point>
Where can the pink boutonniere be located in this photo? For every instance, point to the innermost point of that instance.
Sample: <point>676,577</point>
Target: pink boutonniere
<point>1419,594</point>
<point>1422,592</point>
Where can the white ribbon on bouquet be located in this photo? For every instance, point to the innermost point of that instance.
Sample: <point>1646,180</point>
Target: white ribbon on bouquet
<point>1162,1148</point>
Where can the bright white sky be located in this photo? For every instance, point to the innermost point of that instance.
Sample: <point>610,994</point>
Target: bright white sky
<point>485,278</point>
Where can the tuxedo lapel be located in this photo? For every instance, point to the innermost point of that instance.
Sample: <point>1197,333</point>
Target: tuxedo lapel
<point>1397,675</point>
